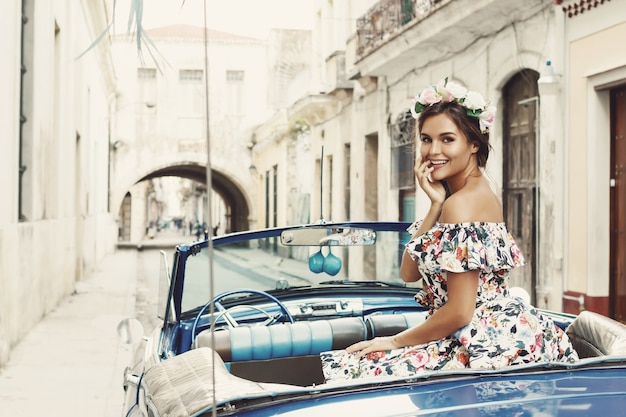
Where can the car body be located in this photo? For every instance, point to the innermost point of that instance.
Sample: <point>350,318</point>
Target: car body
<point>245,316</point>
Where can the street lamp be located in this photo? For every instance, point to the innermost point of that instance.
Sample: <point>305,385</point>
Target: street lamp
<point>252,169</point>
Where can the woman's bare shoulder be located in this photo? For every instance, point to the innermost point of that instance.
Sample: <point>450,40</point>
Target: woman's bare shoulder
<point>472,205</point>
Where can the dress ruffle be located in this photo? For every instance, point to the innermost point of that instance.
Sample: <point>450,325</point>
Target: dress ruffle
<point>462,247</point>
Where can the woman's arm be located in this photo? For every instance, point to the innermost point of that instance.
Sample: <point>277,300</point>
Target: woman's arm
<point>456,313</point>
<point>436,192</point>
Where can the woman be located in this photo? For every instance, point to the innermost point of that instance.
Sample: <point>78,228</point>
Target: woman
<point>463,253</point>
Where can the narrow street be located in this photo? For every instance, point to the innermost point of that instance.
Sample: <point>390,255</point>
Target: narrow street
<point>71,363</point>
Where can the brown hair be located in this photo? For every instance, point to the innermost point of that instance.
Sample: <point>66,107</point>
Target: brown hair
<point>468,125</point>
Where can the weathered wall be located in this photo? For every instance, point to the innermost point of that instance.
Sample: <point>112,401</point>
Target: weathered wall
<point>66,228</point>
<point>594,61</point>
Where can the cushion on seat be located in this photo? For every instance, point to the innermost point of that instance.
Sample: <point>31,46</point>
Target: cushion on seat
<point>346,331</point>
<point>390,324</point>
<point>593,334</point>
<point>183,385</point>
<point>301,338</point>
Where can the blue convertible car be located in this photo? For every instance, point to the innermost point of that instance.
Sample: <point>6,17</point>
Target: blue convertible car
<point>245,316</point>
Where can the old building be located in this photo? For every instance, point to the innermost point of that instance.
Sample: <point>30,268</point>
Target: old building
<point>592,73</point>
<point>343,149</point>
<point>160,127</point>
<point>54,211</point>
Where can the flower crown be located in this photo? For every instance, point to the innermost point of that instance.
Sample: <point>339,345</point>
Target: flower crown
<point>448,91</point>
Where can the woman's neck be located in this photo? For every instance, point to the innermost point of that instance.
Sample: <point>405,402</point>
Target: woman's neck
<point>464,178</point>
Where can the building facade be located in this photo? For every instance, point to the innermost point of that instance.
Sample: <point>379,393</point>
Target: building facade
<point>345,149</point>
<point>593,78</point>
<point>54,219</point>
<point>159,127</point>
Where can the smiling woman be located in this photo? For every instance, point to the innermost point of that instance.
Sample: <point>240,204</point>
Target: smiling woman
<point>463,253</point>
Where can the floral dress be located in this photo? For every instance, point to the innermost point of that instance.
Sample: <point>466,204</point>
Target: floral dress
<point>503,331</point>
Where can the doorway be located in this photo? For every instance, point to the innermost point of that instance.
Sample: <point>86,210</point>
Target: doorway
<point>617,289</point>
<point>520,187</point>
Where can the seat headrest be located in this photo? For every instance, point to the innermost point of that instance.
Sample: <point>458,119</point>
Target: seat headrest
<point>597,335</point>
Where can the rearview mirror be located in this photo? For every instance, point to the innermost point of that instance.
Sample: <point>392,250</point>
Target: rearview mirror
<point>328,236</point>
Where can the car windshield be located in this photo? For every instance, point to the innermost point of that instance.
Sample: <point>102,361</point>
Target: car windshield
<point>282,262</point>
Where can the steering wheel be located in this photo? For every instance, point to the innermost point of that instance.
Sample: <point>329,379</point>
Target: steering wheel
<point>225,312</point>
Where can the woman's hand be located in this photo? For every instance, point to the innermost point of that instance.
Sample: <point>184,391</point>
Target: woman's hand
<point>377,344</point>
<point>433,189</point>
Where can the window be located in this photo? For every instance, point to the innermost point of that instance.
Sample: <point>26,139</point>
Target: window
<point>190,103</point>
<point>234,92</point>
<point>190,75</point>
<point>234,75</point>
<point>403,152</point>
<point>147,88</point>
<point>146,73</point>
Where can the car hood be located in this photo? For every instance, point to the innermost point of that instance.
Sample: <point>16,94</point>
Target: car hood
<point>548,394</point>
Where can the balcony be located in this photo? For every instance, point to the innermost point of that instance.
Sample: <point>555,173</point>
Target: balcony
<point>315,109</point>
<point>337,84</point>
<point>336,72</point>
<point>388,18</point>
<point>396,36</point>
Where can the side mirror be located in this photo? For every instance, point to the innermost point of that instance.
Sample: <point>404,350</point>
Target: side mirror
<point>130,331</point>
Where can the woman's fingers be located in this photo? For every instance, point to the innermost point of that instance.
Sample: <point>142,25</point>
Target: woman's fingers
<point>361,349</point>
<point>357,346</point>
<point>422,170</point>
<point>434,189</point>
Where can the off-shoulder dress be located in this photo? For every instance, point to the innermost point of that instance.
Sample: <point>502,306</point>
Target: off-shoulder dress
<point>503,331</point>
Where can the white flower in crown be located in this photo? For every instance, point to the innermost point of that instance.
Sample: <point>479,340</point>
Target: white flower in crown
<point>451,91</point>
<point>427,97</point>
<point>486,118</point>
<point>474,101</point>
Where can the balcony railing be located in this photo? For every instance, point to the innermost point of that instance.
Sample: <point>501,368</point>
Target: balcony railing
<point>387,18</point>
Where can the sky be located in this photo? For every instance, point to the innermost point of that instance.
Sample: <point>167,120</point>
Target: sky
<point>253,18</point>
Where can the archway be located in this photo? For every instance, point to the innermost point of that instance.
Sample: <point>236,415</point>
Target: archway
<point>236,203</point>
<point>234,199</point>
